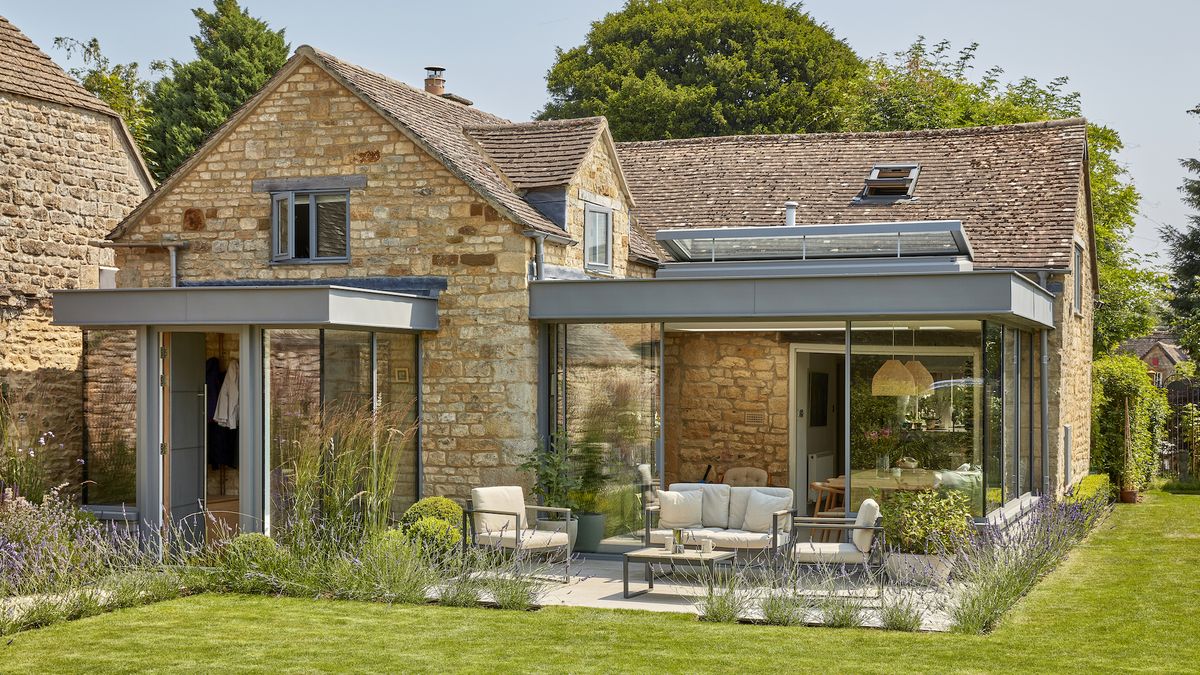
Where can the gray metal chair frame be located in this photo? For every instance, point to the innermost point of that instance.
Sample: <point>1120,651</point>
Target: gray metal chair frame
<point>472,538</point>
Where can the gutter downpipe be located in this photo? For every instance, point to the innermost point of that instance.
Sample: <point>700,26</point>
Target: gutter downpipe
<point>1045,407</point>
<point>172,247</point>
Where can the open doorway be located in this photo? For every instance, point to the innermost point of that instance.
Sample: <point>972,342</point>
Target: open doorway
<point>201,415</point>
<point>817,421</point>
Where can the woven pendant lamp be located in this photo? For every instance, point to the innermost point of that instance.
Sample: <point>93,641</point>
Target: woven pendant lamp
<point>892,378</point>
<point>920,374</point>
<point>922,380</point>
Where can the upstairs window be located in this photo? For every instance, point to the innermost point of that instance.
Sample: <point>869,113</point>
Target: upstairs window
<point>310,226</point>
<point>1077,272</point>
<point>890,182</point>
<point>597,238</point>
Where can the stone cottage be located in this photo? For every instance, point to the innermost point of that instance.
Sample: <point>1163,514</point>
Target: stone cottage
<point>695,306</point>
<point>69,172</point>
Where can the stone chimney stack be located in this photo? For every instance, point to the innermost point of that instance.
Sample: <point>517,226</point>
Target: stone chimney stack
<point>435,83</point>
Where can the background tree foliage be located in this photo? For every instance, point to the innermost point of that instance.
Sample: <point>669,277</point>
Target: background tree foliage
<point>684,68</point>
<point>119,85</point>
<point>235,56</point>
<point>927,87</point>
<point>1184,261</point>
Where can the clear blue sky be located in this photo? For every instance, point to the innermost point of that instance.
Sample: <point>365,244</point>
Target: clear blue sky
<point>1133,62</point>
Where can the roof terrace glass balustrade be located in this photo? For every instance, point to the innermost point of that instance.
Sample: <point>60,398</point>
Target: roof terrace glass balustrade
<point>817,242</point>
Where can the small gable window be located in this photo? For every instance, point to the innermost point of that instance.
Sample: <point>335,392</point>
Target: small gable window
<point>890,182</point>
<point>597,238</point>
<point>310,226</point>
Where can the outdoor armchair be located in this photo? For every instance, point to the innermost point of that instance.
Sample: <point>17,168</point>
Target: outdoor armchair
<point>860,549</point>
<point>498,517</point>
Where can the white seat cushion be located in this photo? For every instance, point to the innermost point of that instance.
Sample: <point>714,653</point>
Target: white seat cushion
<point>715,509</point>
<point>739,497</point>
<point>868,512</point>
<point>721,538</point>
<point>829,553</point>
<point>530,539</point>
<point>505,498</point>
<point>760,510</point>
<point>680,509</point>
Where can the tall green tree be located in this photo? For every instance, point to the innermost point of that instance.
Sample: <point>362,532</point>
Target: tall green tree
<point>927,87</point>
<point>120,85</point>
<point>1184,261</point>
<point>684,68</point>
<point>235,56</point>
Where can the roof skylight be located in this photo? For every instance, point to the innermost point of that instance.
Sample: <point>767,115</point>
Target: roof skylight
<point>817,242</point>
<point>890,182</point>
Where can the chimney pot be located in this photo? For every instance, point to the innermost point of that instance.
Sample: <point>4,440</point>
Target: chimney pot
<point>789,209</point>
<point>435,81</point>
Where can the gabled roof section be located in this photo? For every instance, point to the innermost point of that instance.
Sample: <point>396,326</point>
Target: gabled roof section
<point>27,71</point>
<point>1015,188</point>
<point>538,154</point>
<point>434,123</point>
<point>437,124</point>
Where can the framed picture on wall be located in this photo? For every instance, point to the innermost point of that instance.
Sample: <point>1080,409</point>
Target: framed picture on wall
<point>400,375</point>
<point>818,399</point>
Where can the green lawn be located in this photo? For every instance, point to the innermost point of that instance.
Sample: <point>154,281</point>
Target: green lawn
<point>1127,599</point>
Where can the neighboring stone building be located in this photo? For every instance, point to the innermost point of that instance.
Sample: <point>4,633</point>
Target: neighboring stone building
<point>347,237</point>
<point>1160,351</point>
<point>69,172</point>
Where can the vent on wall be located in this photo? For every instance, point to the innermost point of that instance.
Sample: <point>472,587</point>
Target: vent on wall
<point>756,419</point>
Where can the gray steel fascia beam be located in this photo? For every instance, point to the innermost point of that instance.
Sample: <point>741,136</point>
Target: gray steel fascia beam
<point>953,295</point>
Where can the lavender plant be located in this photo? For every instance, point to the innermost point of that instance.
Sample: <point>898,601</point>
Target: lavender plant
<point>1001,564</point>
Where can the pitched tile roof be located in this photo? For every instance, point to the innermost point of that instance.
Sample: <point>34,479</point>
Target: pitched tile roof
<point>538,154</point>
<point>1015,188</point>
<point>28,71</point>
<point>1163,337</point>
<point>438,124</point>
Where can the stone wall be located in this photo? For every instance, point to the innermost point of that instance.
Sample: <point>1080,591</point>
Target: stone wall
<point>66,178</point>
<point>414,218</point>
<point>1070,371</point>
<point>726,404</point>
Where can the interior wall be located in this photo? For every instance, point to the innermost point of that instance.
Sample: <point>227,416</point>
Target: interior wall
<point>726,404</point>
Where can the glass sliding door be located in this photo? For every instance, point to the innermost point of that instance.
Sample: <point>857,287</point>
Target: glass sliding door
<point>916,389</point>
<point>603,398</point>
<point>343,409</point>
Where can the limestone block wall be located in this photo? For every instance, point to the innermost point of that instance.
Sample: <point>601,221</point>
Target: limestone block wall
<point>1070,371</point>
<point>726,404</point>
<point>414,217</point>
<point>66,178</point>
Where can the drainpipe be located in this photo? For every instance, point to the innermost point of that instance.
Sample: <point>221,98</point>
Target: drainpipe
<point>172,247</point>
<point>1045,378</point>
<point>789,210</point>
<point>539,254</point>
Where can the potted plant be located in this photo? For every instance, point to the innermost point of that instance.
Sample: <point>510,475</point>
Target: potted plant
<point>923,530</point>
<point>554,482</point>
<point>590,460</point>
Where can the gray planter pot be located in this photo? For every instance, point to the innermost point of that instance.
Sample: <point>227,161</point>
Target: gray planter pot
<point>556,526</point>
<point>591,531</point>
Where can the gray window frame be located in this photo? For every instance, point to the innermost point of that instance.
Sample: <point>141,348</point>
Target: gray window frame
<point>1077,272</point>
<point>606,268</point>
<point>289,257</point>
<point>873,180</point>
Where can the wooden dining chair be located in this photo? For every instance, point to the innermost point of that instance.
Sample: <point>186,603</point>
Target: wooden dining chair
<point>830,504</point>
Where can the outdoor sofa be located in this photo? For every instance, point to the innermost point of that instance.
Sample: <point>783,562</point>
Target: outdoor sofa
<point>757,519</point>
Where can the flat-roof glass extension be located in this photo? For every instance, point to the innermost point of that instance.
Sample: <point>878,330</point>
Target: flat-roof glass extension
<point>817,242</point>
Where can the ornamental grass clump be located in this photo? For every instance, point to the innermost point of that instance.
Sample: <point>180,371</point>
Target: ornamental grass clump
<point>725,598</point>
<point>1001,564</point>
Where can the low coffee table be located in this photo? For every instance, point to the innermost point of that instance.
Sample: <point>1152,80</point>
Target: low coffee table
<point>658,554</point>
